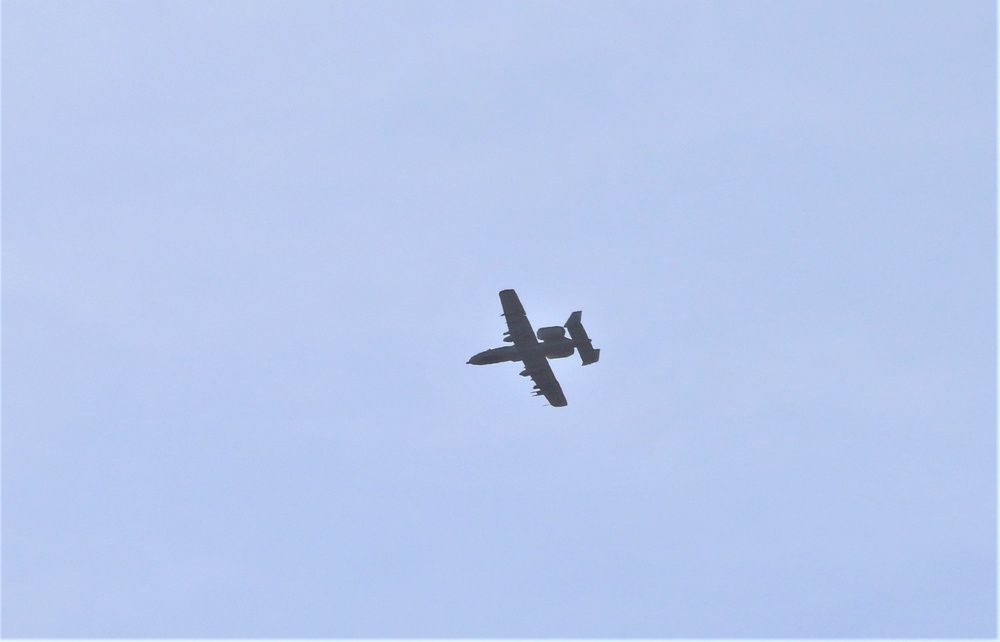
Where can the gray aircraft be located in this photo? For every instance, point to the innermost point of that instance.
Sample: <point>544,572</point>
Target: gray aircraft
<point>551,343</point>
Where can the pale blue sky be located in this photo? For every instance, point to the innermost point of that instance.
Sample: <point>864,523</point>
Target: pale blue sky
<point>248,248</point>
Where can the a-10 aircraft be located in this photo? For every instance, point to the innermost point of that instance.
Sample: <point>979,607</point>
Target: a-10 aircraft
<point>535,354</point>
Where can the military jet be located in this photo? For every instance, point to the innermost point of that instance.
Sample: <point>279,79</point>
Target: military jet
<point>534,353</point>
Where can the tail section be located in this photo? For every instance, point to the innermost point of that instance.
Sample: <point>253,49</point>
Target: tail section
<point>588,353</point>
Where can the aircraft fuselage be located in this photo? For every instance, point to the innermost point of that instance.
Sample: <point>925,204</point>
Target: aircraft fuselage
<point>552,349</point>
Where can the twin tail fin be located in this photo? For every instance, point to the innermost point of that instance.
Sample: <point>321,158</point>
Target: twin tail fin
<point>588,353</point>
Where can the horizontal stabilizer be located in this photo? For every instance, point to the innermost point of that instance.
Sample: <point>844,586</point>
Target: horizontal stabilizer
<point>588,353</point>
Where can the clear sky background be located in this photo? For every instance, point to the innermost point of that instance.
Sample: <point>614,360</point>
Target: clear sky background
<point>248,248</point>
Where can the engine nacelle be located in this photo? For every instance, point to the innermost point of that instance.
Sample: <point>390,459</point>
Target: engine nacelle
<point>551,333</point>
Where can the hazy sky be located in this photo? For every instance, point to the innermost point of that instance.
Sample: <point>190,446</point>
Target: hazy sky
<point>248,248</point>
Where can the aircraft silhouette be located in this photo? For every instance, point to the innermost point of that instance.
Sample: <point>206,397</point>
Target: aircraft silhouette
<point>551,343</point>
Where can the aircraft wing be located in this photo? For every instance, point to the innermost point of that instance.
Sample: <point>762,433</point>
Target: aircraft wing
<point>535,365</point>
<point>518,327</point>
<point>540,371</point>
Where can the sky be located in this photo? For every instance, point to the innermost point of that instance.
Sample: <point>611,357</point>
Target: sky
<point>248,248</point>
